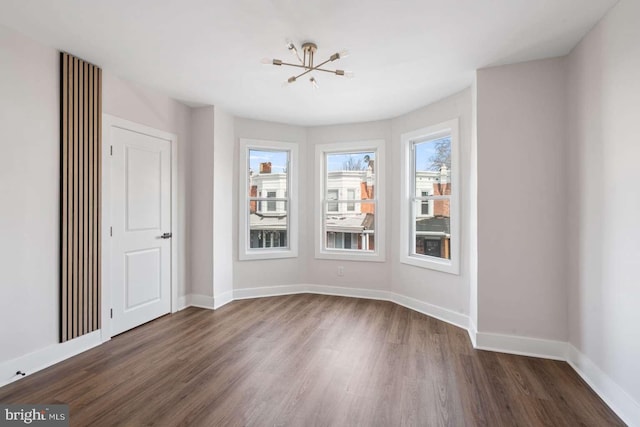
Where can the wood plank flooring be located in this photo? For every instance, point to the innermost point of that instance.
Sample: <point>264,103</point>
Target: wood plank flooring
<point>305,360</point>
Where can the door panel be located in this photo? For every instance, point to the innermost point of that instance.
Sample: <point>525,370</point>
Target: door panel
<point>141,213</point>
<point>144,189</point>
<point>143,279</point>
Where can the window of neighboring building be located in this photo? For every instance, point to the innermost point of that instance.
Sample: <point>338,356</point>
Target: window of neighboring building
<point>349,210</point>
<point>332,195</point>
<point>430,227</point>
<point>424,209</point>
<point>351,195</point>
<point>268,202</point>
<point>271,204</point>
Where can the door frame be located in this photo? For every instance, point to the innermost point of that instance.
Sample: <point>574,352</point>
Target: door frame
<point>109,122</point>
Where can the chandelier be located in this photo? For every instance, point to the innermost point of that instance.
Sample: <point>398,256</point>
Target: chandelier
<point>307,63</point>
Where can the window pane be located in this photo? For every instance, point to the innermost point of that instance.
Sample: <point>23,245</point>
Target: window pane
<point>351,230</point>
<point>425,205</point>
<point>351,195</point>
<point>271,205</point>
<point>351,175</point>
<point>432,163</point>
<point>268,229</point>
<point>332,195</point>
<point>433,235</point>
<point>267,175</point>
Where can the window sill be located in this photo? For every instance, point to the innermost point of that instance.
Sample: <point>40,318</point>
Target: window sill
<point>267,254</point>
<point>431,263</point>
<point>349,256</point>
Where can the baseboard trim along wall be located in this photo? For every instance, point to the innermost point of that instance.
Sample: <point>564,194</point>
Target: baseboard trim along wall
<point>618,400</point>
<point>523,346</point>
<point>221,299</point>
<point>41,359</point>
<point>201,301</point>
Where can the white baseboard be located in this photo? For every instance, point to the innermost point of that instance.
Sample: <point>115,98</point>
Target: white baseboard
<point>473,333</point>
<point>182,303</point>
<point>457,319</point>
<point>523,346</point>
<point>269,291</point>
<point>222,299</point>
<point>40,359</point>
<point>201,301</point>
<point>605,387</point>
<point>341,291</point>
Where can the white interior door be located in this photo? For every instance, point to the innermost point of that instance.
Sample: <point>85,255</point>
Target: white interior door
<point>141,221</point>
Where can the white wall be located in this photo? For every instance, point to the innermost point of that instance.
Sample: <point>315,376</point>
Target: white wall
<point>201,207</point>
<point>223,194</point>
<point>29,195</point>
<point>604,211</point>
<point>263,273</point>
<point>522,190</point>
<point>442,289</point>
<point>29,184</point>
<point>473,213</point>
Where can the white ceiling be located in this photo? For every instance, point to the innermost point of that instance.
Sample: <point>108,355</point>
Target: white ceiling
<point>406,54</point>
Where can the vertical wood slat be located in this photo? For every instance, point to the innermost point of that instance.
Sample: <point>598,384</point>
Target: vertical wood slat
<point>99,188</point>
<point>70,263</point>
<point>76,213</point>
<point>89,304</point>
<point>80,182</point>
<point>64,148</point>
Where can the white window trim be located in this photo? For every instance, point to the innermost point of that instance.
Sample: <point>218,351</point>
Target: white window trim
<point>378,255</point>
<point>245,252</point>
<point>406,228</point>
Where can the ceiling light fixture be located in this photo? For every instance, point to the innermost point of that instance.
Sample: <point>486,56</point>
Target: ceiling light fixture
<point>307,62</point>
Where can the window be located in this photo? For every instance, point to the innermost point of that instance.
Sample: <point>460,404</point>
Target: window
<point>349,207</point>
<point>424,209</point>
<point>268,202</point>
<point>351,195</point>
<point>430,228</point>
<point>331,205</point>
<point>271,205</point>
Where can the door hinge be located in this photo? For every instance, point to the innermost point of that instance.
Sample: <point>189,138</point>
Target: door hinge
<point>111,231</point>
<point>111,312</point>
<point>111,150</point>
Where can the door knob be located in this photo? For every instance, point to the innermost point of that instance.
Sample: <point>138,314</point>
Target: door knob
<point>166,236</point>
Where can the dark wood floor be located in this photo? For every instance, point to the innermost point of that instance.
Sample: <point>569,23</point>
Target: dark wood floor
<point>306,360</point>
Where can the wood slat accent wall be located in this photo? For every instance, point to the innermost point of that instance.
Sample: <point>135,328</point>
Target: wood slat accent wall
<point>80,207</point>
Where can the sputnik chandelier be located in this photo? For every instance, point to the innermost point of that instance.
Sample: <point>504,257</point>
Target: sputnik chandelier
<point>307,62</point>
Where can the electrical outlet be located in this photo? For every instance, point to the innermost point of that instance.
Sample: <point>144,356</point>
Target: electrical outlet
<point>340,271</point>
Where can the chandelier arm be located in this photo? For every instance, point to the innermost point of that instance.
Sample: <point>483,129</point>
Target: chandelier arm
<point>295,65</point>
<point>302,74</point>
<point>317,67</point>
<point>326,71</point>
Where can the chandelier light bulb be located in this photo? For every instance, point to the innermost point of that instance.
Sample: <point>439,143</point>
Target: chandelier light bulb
<point>343,53</point>
<point>314,83</point>
<point>267,61</point>
<point>349,74</point>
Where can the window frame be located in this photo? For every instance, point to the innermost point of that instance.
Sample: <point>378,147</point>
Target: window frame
<point>407,205</point>
<point>321,152</point>
<point>245,252</point>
